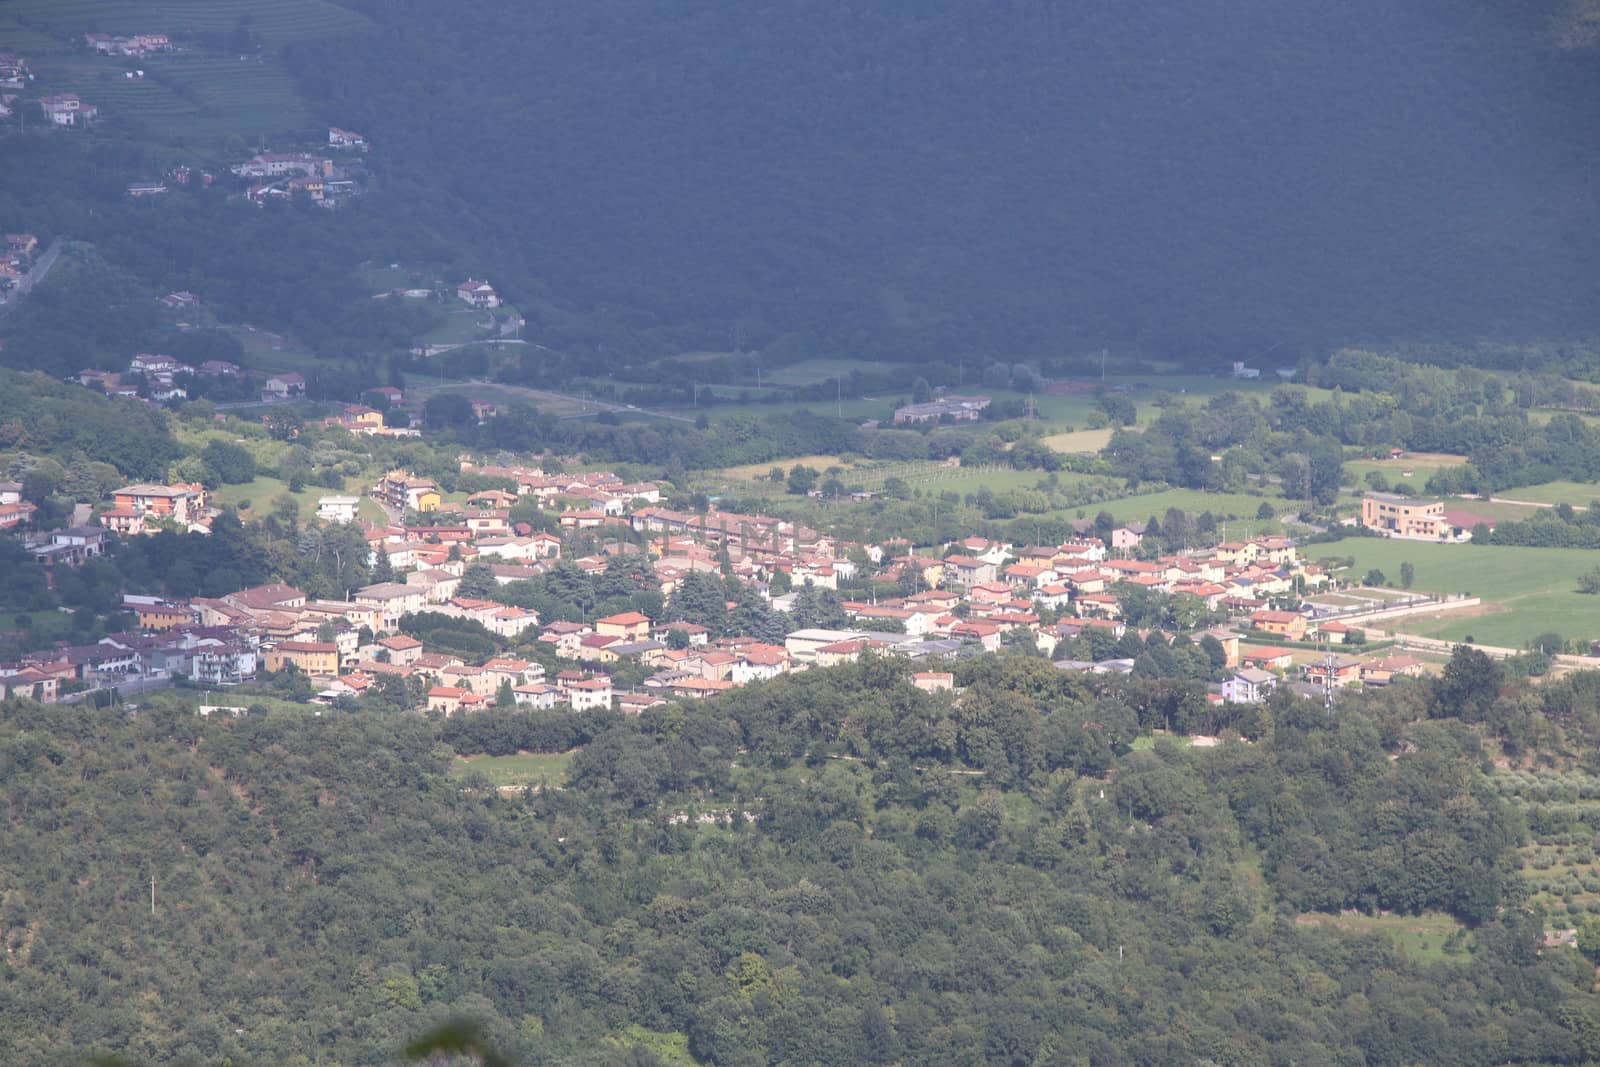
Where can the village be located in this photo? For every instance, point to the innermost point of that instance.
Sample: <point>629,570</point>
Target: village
<point>969,597</point>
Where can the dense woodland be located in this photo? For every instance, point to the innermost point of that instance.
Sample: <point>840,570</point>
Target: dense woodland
<point>923,182</point>
<point>996,879</point>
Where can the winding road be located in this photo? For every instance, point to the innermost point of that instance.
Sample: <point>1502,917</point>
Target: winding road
<point>35,275</point>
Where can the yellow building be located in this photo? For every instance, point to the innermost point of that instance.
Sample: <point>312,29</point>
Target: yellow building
<point>311,657</point>
<point>164,616</point>
<point>1420,519</point>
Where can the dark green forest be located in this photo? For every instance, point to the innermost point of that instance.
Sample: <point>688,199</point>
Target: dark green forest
<point>927,181</point>
<point>881,876</point>
<point>912,180</point>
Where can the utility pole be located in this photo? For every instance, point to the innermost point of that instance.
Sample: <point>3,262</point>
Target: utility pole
<point>838,394</point>
<point>1102,364</point>
<point>152,894</point>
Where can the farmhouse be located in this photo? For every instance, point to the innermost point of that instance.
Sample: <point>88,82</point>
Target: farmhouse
<point>478,294</point>
<point>954,408</point>
<point>283,386</point>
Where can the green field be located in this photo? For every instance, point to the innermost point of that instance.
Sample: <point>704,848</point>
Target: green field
<point>1241,506</point>
<point>1578,494</point>
<point>262,491</point>
<point>1526,591</point>
<point>183,97</point>
<point>523,769</point>
<point>1430,937</point>
<point>277,22</point>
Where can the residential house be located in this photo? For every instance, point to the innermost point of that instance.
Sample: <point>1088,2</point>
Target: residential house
<point>1380,672</point>
<point>402,489</point>
<point>316,658</point>
<point>589,694</point>
<point>963,572</point>
<point>629,626</point>
<point>446,699</point>
<point>394,599</point>
<point>164,616</point>
<point>535,695</point>
<point>934,681</point>
<point>29,683</point>
<point>1286,624</point>
<point>283,387</point>
<point>1331,670</point>
<point>1248,685</point>
<point>478,294</point>
<point>400,649</point>
<point>338,509</point>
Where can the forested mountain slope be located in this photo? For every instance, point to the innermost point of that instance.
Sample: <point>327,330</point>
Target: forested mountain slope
<point>906,179</point>
<point>325,891</point>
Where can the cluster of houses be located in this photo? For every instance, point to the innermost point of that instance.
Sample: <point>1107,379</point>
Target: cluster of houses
<point>157,378</point>
<point>369,421</point>
<point>13,75</point>
<point>16,258</point>
<point>136,44</point>
<point>285,175</point>
<point>973,595</point>
<point>14,511</point>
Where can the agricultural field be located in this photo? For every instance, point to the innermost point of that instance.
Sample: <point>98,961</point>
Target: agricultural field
<point>1431,937</point>
<point>753,472</point>
<point>183,97</point>
<point>1414,468</point>
<point>1237,508</point>
<point>1082,441</point>
<point>276,22</point>
<point>521,770</point>
<point>1578,494</point>
<point>1562,810</point>
<point>1526,591</point>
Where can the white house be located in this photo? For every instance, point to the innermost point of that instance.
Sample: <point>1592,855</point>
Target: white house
<point>1248,686</point>
<point>478,294</point>
<point>338,508</point>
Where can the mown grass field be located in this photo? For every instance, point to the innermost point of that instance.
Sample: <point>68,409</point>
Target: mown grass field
<point>1578,494</point>
<point>522,769</point>
<point>1526,591</point>
<point>1421,465</point>
<point>1430,937</point>
<point>1079,440</point>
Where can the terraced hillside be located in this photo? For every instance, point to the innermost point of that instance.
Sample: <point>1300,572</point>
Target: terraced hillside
<point>201,93</point>
<point>276,22</point>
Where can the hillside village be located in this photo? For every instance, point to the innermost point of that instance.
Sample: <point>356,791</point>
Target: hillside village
<point>445,560</point>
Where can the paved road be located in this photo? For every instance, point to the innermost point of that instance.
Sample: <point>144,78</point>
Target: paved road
<point>35,275</point>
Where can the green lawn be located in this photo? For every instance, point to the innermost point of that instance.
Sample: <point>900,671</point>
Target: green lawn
<point>461,325</point>
<point>1526,591</point>
<point>523,769</point>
